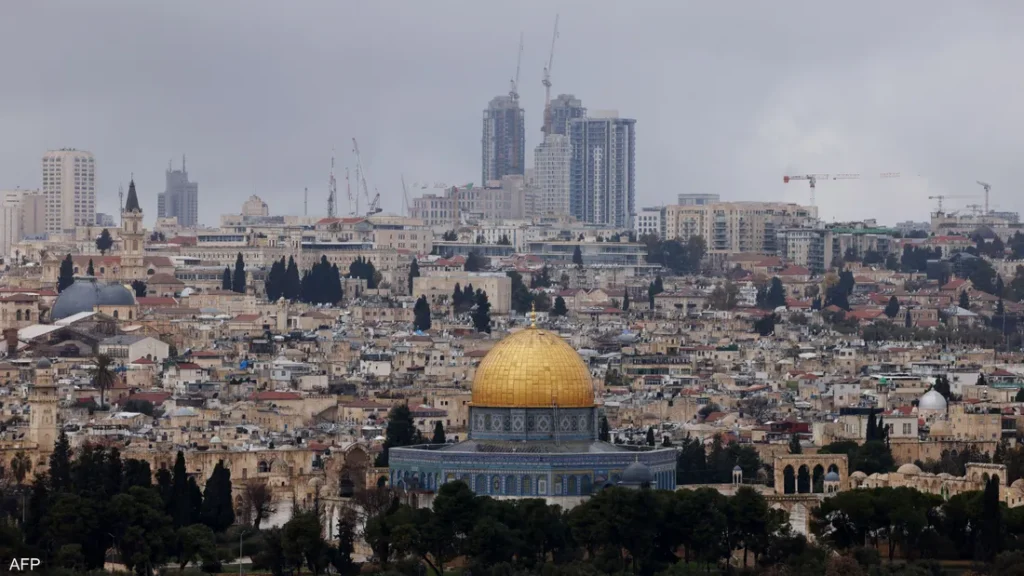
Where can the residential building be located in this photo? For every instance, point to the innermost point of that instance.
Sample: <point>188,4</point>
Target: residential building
<point>602,183</point>
<point>504,140</point>
<point>105,220</point>
<point>698,199</point>
<point>33,214</point>
<point>552,160</point>
<point>504,201</point>
<point>180,199</point>
<point>564,109</point>
<point>69,184</point>
<point>736,227</point>
<point>10,219</point>
<point>128,348</point>
<point>649,221</point>
<point>807,247</point>
<point>255,207</point>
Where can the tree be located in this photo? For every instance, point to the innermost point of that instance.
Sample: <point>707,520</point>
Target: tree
<point>401,431</point>
<point>893,307</point>
<point>104,242</point>
<point>67,274</point>
<point>559,309</point>
<point>765,326</point>
<point>103,377</point>
<point>775,295</point>
<point>90,270</point>
<point>140,288</point>
<point>908,319</point>
<point>258,501</point>
<point>303,543</point>
<point>625,300</point>
<point>196,543</point>
<point>225,279</point>
<point>438,437</point>
<point>474,262</point>
<point>604,434</point>
<point>522,298</point>
<point>482,313</point>
<point>1019,397</point>
<point>942,386</point>
<point>650,436</point>
<point>577,257</point>
<point>292,288</point>
<point>238,280</point>
<point>965,302</point>
<point>341,555</point>
<point>541,279</point>
<point>60,464</point>
<point>274,283</point>
<point>794,445</point>
<point>991,536</point>
<point>218,510</point>
<point>724,296</point>
<point>414,272</point>
<point>421,314</point>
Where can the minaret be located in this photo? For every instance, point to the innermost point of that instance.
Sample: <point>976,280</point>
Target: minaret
<point>132,267</point>
<point>42,399</point>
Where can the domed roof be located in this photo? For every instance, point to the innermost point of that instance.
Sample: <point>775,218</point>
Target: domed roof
<point>908,469</point>
<point>533,369</point>
<point>43,363</point>
<point>832,476</point>
<point>737,468</point>
<point>858,474</point>
<point>1018,484</point>
<point>88,292</point>
<point>932,400</point>
<point>637,474</point>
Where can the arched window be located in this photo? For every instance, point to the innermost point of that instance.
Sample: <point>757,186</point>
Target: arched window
<point>263,467</point>
<point>28,314</point>
<point>510,485</point>
<point>129,314</point>
<point>115,313</point>
<point>102,270</point>
<point>527,486</point>
<point>18,316</point>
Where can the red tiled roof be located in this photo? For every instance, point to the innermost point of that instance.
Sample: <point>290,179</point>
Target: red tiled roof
<point>143,361</point>
<point>189,366</point>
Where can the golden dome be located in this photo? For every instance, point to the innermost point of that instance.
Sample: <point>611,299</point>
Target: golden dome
<point>533,369</point>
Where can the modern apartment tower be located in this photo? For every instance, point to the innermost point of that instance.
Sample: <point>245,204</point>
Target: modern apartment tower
<point>552,159</point>
<point>69,185</point>
<point>563,109</point>
<point>504,140</point>
<point>602,184</point>
<point>180,199</point>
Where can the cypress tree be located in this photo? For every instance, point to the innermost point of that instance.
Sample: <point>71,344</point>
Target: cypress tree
<point>90,270</point>
<point>217,509</point>
<point>439,437</point>
<point>60,464</point>
<point>414,272</point>
<point>238,280</point>
<point>292,282</point>
<point>225,279</point>
<point>180,502</point>
<point>605,434</point>
<point>625,301</point>
<point>650,436</point>
<point>871,433</point>
<point>67,273</point>
<point>457,297</point>
<point>482,313</point>
<point>421,314</point>
<point>337,291</point>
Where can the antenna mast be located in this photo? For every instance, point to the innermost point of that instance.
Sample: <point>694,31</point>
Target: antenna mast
<point>332,188</point>
<point>305,201</point>
<point>120,202</point>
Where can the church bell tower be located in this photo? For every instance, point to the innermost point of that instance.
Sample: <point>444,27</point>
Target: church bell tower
<point>132,247</point>
<point>43,399</point>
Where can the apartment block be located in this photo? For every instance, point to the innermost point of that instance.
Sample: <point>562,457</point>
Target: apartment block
<point>69,184</point>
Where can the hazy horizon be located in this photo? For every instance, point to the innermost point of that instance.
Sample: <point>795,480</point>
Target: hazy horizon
<point>727,98</point>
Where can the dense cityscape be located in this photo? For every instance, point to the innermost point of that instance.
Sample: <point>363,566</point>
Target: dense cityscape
<point>532,373</point>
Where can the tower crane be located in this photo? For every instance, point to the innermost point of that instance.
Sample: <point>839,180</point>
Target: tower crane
<point>813,179</point>
<point>332,190</point>
<point>373,203</point>
<point>405,194</point>
<point>941,197</point>
<point>348,190</point>
<point>547,82</point>
<point>988,188</point>
<point>513,91</point>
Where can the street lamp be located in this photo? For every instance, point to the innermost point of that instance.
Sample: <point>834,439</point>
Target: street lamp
<point>241,533</point>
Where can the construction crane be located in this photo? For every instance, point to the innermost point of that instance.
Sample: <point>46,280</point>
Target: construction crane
<point>405,194</point>
<point>988,188</point>
<point>813,179</point>
<point>348,190</point>
<point>513,91</point>
<point>547,82</point>
<point>332,189</point>
<point>941,197</point>
<point>373,204</point>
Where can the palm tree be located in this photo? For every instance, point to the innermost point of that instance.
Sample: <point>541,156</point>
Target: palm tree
<point>103,377</point>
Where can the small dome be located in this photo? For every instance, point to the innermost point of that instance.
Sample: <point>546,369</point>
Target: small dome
<point>833,476</point>
<point>1018,484</point>
<point>737,468</point>
<point>87,293</point>
<point>945,475</point>
<point>43,364</point>
<point>859,475</point>
<point>909,469</point>
<point>932,400</point>
<point>637,474</point>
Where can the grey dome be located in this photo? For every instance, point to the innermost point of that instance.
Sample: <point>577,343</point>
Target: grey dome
<point>737,468</point>
<point>832,477</point>
<point>43,363</point>
<point>86,293</point>
<point>932,400</point>
<point>636,474</point>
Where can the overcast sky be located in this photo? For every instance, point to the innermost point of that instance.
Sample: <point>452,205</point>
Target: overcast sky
<point>728,97</point>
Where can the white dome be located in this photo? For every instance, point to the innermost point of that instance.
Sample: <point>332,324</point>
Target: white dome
<point>932,400</point>
<point>909,469</point>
